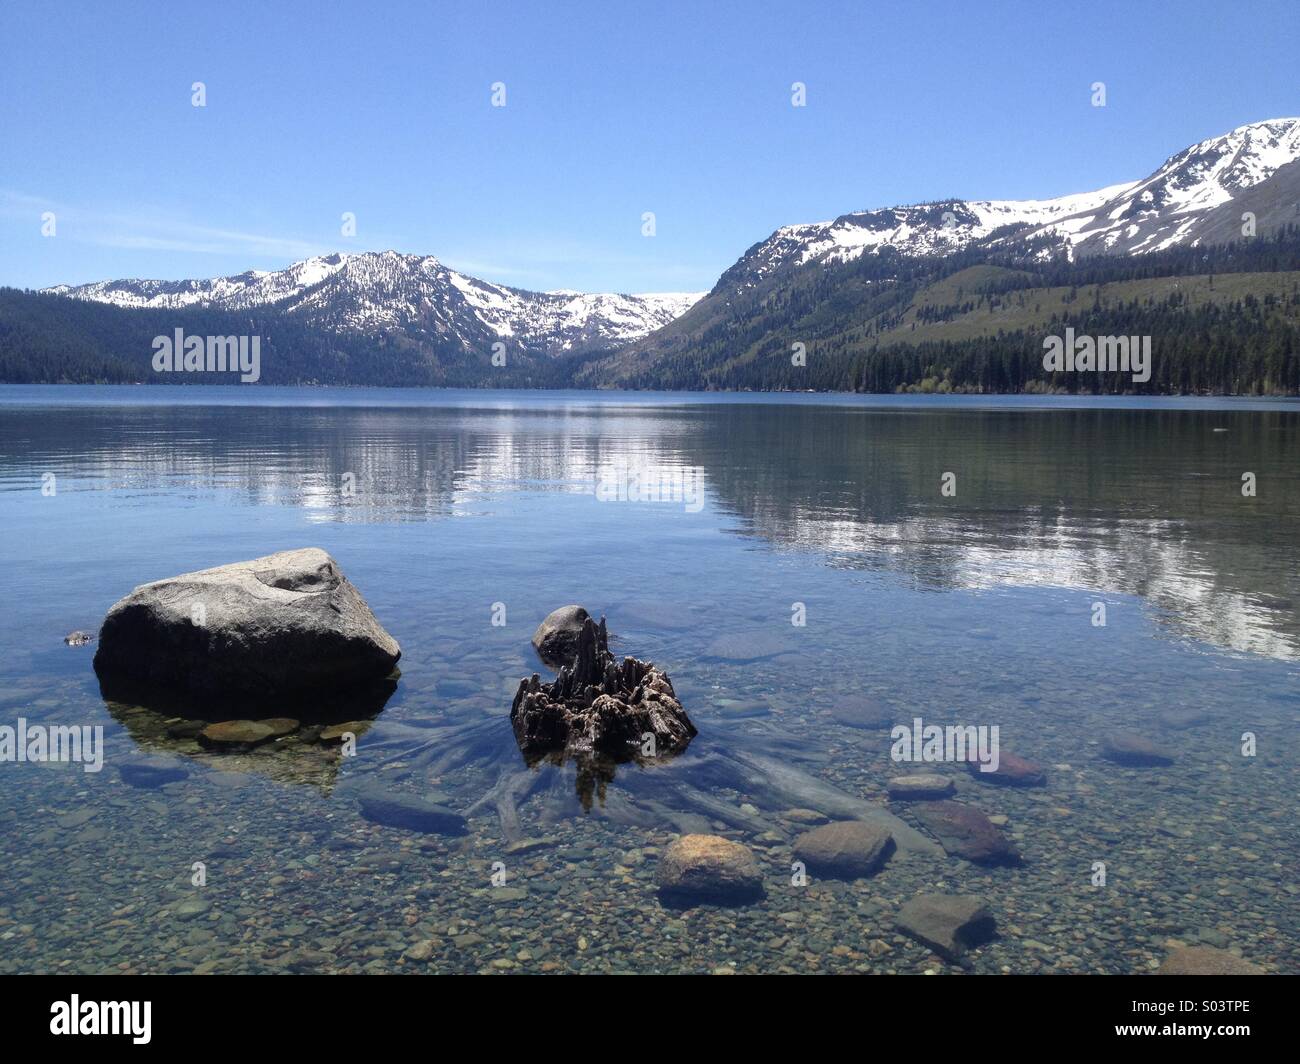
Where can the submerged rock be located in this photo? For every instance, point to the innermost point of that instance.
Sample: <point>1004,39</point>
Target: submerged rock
<point>949,924</point>
<point>1127,748</point>
<point>189,908</point>
<point>738,709</point>
<point>804,816</point>
<point>397,810</point>
<point>857,711</point>
<point>275,747</point>
<point>286,623</point>
<point>1181,719</point>
<point>747,646</point>
<point>1012,771</point>
<point>152,772</point>
<point>335,733</point>
<point>923,786</point>
<point>966,832</point>
<point>709,868</point>
<point>598,706</point>
<point>556,638</point>
<point>1206,960</point>
<point>245,733</point>
<point>846,849</point>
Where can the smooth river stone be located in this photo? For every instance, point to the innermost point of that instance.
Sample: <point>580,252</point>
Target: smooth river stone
<point>846,849</point>
<point>949,924</point>
<point>335,732</point>
<point>1127,748</point>
<point>924,786</point>
<point>397,810</point>
<point>735,709</point>
<point>1185,718</point>
<point>247,732</point>
<point>1206,960</point>
<point>1012,771</point>
<point>966,832</point>
<point>860,712</point>
<point>556,638</point>
<point>152,772</point>
<point>748,646</point>
<point>286,623</point>
<point>709,868</point>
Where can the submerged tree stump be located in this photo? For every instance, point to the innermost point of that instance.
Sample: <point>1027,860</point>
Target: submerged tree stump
<point>597,707</point>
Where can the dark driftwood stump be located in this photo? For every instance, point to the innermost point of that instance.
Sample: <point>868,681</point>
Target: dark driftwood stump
<point>597,707</point>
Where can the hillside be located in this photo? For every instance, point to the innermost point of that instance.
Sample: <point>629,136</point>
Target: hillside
<point>875,279</point>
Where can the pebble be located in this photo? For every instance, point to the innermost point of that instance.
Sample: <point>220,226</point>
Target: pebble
<point>921,786</point>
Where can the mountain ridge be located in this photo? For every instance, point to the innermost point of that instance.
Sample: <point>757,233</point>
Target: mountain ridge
<point>383,291</point>
<point>787,285</point>
<point>944,225</point>
<point>843,289</point>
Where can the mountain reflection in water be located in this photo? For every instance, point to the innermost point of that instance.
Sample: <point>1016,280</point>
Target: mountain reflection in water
<point>1112,501</point>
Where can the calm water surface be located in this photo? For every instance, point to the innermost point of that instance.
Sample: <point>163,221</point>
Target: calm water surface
<point>443,507</point>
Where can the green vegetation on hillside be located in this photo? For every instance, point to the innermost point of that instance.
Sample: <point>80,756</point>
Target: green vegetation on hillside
<point>1221,320</point>
<point>56,339</point>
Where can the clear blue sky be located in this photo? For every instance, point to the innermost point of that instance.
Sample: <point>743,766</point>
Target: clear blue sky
<point>613,108</point>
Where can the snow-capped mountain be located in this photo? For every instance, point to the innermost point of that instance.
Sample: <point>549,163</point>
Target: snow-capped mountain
<point>831,285</point>
<point>921,229</point>
<point>387,292</point>
<point>1196,197</point>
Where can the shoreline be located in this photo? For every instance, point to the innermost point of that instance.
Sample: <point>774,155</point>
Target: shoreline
<point>69,394</point>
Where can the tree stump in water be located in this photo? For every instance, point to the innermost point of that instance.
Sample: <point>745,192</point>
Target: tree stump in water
<point>597,707</point>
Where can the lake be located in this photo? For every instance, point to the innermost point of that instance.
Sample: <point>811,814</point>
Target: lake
<point>809,570</point>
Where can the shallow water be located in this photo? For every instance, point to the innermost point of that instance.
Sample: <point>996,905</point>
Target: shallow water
<point>975,608</point>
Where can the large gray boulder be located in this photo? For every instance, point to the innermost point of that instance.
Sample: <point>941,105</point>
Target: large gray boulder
<point>289,623</point>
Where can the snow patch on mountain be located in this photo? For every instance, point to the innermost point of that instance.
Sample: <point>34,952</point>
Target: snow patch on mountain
<point>1161,211</point>
<point>1169,207</point>
<point>920,229</point>
<point>385,291</point>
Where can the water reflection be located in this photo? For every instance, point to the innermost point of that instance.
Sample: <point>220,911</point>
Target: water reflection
<point>1141,502</point>
<point>161,721</point>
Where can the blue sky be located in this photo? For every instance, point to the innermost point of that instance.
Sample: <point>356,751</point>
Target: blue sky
<point>612,109</point>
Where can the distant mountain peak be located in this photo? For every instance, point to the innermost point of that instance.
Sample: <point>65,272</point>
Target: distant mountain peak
<point>392,291</point>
